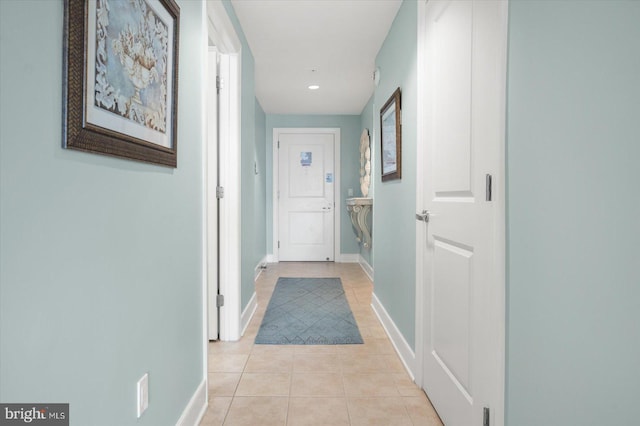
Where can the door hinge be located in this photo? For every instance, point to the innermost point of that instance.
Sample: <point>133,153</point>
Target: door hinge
<point>278,144</point>
<point>219,301</point>
<point>488,184</point>
<point>219,192</point>
<point>278,244</point>
<point>219,83</point>
<point>485,416</point>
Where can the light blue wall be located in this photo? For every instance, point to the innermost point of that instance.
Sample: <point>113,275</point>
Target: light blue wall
<point>573,205</point>
<point>100,258</point>
<point>394,240</point>
<point>349,165</point>
<point>366,122</point>
<point>252,200</point>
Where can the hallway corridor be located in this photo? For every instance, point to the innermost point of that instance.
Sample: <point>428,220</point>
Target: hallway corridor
<point>261,385</point>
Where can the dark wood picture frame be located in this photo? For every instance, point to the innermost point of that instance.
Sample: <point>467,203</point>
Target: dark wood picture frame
<point>137,105</point>
<point>391,137</point>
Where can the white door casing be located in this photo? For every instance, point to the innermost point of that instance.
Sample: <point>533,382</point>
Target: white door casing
<point>306,197</point>
<point>211,176</point>
<point>306,224</point>
<point>460,250</point>
<point>221,34</point>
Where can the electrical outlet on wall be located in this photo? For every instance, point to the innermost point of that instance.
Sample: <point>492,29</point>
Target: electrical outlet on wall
<point>143,394</point>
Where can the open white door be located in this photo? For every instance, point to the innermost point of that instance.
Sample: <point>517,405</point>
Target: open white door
<point>459,234</point>
<point>306,182</point>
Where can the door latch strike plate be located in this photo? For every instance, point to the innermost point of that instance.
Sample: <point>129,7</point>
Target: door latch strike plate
<point>486,420</point>
<point>219,301</point>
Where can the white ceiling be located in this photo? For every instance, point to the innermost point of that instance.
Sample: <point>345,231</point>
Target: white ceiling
<point>338,38</point>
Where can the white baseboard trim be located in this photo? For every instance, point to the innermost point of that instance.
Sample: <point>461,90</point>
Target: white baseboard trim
<point>258,269</point>
<point>248,312</point>
<point>347,258</point>
<point>341,258</point>
<point>195,409</point>
<point>368,269</point>
<point>406,354</point>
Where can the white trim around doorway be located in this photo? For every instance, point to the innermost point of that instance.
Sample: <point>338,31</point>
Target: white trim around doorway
<point>222,35</point>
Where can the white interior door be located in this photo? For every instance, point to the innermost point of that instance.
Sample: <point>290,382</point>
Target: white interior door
<point>464,89</point>
<point>306,196</point>
<point>212,171</point>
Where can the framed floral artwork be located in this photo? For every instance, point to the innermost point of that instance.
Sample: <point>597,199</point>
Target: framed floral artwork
<point>121,78</point>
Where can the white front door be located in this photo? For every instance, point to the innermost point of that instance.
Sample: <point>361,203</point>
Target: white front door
<point>306,196</point>
<point>459,246</point>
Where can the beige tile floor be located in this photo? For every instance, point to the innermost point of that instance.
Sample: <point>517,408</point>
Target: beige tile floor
<point>261,385</point>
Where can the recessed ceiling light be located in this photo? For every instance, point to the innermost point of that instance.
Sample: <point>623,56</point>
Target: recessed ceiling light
<point>314,87</point>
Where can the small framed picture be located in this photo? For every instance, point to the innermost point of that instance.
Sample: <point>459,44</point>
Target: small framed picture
<point>391,138</point>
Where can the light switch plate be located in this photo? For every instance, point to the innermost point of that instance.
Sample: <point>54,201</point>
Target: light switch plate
<point>143,394</point>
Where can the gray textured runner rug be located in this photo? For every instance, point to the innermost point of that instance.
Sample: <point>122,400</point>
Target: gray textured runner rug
<point>308,311</point>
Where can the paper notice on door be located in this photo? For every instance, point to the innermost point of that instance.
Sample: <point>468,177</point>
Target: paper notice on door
<point>305,159</point>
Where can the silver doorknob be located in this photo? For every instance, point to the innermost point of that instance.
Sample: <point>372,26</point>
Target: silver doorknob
<point>423,217</point>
